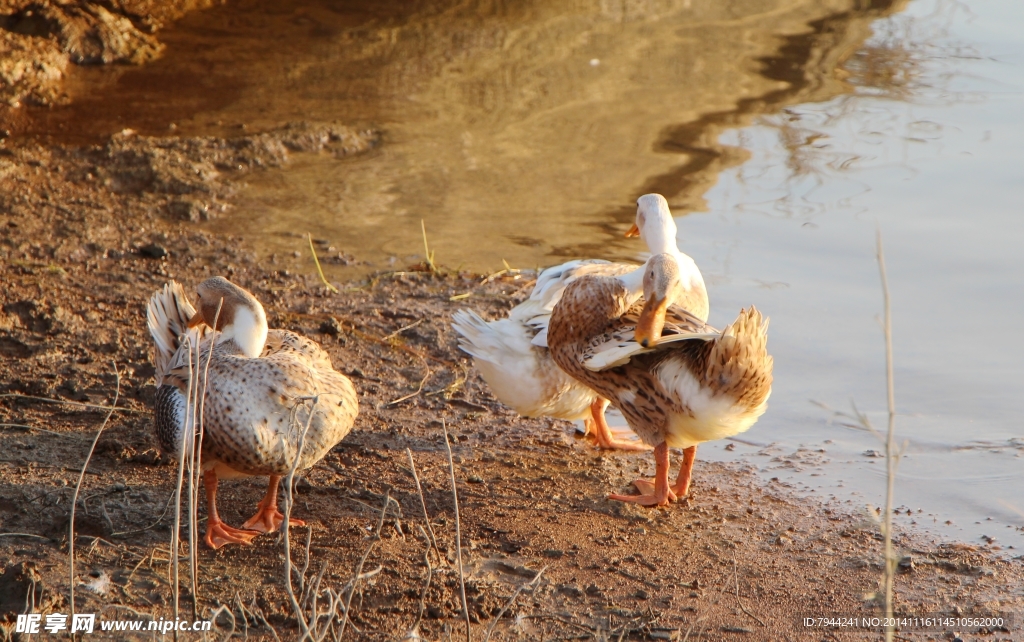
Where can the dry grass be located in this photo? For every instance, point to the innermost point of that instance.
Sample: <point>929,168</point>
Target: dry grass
<point>78,488</point>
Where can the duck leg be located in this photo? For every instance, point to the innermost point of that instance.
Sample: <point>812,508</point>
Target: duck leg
<point>605,437</point>
<point>217,532</point>
<point>659,494</point>
<point>682,487</point>
<point>268,519</point>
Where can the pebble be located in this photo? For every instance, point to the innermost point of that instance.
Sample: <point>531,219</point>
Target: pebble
<point>153,251</point>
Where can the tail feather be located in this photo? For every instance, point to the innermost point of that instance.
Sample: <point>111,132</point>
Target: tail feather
<point>739,363</point>
<point>476,336</point>
<point>167,316</point>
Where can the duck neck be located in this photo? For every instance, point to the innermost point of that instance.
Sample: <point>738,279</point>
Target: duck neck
<point>248,330</point>
<point>634,283</point>
<point>659,232</point>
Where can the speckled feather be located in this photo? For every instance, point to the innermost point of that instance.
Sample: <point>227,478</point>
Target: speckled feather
<point>684,391</point>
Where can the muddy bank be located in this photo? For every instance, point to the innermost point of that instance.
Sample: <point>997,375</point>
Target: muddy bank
<point>87,234</point>
<point>39,39</point>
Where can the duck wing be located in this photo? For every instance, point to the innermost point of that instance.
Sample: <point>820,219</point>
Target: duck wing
<point>617,345</point>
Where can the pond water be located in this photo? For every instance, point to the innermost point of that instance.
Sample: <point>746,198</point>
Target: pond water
<point>784,133</point>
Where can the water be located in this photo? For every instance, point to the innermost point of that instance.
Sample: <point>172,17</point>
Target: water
<point>793,230</point>
<point>784,134</point>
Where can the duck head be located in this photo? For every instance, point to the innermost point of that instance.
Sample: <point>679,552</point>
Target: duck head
<point>654,224</point>
<point>662,286</point>
<point>233,311</point>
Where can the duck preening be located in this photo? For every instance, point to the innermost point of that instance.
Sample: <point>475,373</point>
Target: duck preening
<point>677,381</point>
<point>270,399</point>
<point>512,353</point>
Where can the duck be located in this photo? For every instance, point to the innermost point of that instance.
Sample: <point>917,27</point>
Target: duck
<point>272,398</point>
<point>512,353</point>
<point>678,381</point>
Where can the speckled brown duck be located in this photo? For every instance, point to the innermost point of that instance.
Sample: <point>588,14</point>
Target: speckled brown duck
<point>258,394</point>
<point>512,353</point>
<point>677,381</point>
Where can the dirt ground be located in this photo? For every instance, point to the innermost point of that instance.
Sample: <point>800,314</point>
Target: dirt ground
<point>87,234</point>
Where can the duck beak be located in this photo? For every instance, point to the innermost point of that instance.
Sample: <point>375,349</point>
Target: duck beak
<point>196,319</point>
<point>651,323</point>
<point>633,231</point>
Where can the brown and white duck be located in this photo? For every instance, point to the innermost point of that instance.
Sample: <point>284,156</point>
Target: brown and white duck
<point>677,381</point>
<point>260,386</point>
<point>512,353</point>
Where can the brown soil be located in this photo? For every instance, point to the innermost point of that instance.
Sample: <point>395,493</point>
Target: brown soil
<point>87,234</point>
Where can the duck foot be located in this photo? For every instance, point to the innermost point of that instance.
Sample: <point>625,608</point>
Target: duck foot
<point>267,518</point>
<point>648,496</point>
<point>218,534</point>
<point>658,493</point>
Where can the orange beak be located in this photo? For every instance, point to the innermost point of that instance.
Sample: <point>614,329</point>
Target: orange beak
<point>633,231</point>
<point>196,319</point>
<point>651,323</point>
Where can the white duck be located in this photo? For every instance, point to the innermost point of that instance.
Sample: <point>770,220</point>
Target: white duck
<point>512,353</point>
<point>259,392</point>
<point>692,385</point>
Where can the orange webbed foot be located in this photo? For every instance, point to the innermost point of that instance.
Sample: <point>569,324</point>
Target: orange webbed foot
<point>269,519</point>
<point>648,495</point>
<point>218,534</point>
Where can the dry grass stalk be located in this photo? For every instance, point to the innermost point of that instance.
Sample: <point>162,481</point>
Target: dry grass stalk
<point>530,585</point>
<point>78,488</point>
<point>736,578</point>
<point>188,452</point>
<point>423,504</point>
<point>414,629</point>
<point>892,455</point>
<point>458,529</point>
<point>289,499</point>
<point>71,403</point>
<point>319,269</point>
<point>427,254</point>
<point>362,561</point>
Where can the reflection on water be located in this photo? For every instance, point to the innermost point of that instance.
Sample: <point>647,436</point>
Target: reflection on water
<point>525,131</point>
<point>521,132</point>
<point>924,148</point>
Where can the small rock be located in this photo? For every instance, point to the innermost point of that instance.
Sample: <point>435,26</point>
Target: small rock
<point>594,591</point>
<point>331,327</point>
<point>641,594</point>
<point>553,553</point>
<point>153,251</point>
<point>873,453</point>
<point>782,540</point>
<point>571,590</point>
<point>475,479</point>
<point>906,564</point>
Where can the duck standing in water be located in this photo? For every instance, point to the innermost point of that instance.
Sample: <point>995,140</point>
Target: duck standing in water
<point>677,381</point>
<point>512,353</point>
<point>260,388</point>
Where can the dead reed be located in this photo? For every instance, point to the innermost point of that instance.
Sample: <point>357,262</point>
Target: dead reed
<point>78,487</point>
<point>458,528</point>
